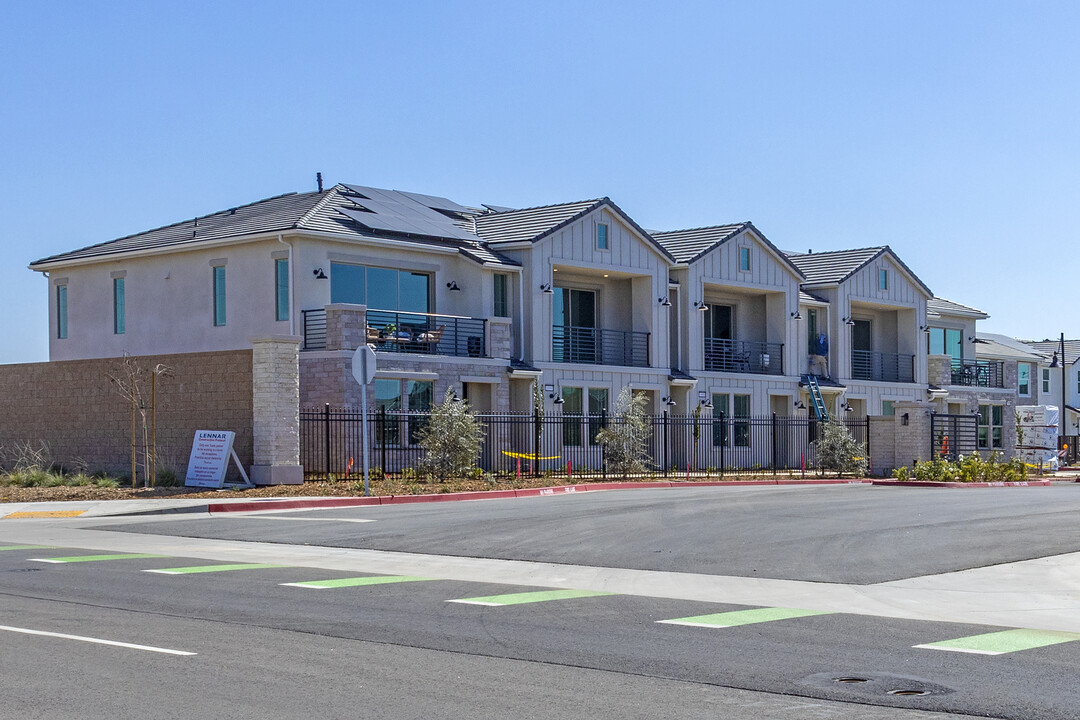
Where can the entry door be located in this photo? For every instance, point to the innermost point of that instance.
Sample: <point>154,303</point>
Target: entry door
<point>860,336</point>
<point>861,359</point>
<point>575,326</point>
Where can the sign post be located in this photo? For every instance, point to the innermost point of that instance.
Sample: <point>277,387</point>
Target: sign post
<point>363,369</point>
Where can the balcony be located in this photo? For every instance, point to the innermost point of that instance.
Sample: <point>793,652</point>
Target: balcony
<point>744,356</point>
<point>882,367</point>
<point>979,373</point>
<point>404,332</point>
<point>595,346</point>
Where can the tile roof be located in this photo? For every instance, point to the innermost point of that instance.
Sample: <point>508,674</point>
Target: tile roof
<point>1003,346</point>
<point>1051,347</point>
<point>688,245</point>
<point>836,266</point>
<point>948,307</point>
<point>811,297</point>
<point>315,211</point>
<point>530,223</point>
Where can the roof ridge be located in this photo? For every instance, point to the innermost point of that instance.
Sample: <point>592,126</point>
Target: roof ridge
<point>703,227</point>
<point>541,207</point>
<point>311,212</point>
<point>846,250</point>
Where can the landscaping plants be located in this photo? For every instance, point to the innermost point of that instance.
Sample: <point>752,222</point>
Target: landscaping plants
<point>967,468</point>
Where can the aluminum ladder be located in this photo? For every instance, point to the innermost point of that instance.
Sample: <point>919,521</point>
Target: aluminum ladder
<point>815,398</point>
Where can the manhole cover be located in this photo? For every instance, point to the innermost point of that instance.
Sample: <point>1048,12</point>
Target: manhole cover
<point>873,684</point>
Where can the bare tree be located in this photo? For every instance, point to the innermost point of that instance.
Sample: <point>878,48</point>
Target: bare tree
<point>129,379</point>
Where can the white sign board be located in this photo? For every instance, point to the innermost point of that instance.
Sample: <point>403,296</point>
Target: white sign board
<point>210,453</point>
<point>1039,427</point>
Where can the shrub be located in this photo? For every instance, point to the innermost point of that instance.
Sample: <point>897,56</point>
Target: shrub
<point>838,451</point>
<point>968,468</point>
<point>626,441</point>
<point>451,439</point>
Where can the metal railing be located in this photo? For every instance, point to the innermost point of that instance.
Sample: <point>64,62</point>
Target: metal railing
<point>883,367</point>
<point>426,333</point>
<point>314,329</point>
<point>596,346</point>
<point>745,356</point>
<point>331,442</point>
<point>979,373</point>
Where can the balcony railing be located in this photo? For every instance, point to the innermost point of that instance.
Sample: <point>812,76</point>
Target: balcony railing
<point>882,367</point>
<point>595,346</point>
<point>979,373</point>
<point>744,356</point>
<point>403,332</point>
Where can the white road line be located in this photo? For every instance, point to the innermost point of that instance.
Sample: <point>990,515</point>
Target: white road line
<point>238,516</point>
<point>98,641</point>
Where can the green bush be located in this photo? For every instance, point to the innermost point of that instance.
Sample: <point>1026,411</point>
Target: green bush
<point>967,468</point>
<point>837,450</point>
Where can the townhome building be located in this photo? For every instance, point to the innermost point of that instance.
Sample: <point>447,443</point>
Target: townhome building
<point>1059,379</point>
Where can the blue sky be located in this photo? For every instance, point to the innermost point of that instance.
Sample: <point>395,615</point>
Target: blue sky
<point>947,130</point>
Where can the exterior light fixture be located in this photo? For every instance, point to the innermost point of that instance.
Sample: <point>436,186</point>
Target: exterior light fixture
<point>848,321</point>
<point>701,306</point>
<point>664,302</point>
<point>796,315</point>
<point>546,289</point>
<point>319,274</point>
<point>668,401</point>
<point>453,286</point>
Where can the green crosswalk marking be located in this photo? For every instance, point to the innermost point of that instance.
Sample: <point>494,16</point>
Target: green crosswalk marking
<point>355,581</point>
<point>95,558</point>
<point>26,547</point>
<point>529,597</point>
<point>743,617</point>
<point>1003,642</point>
<point>212,568</point>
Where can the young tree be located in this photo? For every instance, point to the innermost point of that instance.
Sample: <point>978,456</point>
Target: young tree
<point>451,439</point>
<point>838,451</point>
<point>626,440</point>
<point>129,379</point>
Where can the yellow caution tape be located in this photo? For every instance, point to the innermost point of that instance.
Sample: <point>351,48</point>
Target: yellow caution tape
<point>529,456</point>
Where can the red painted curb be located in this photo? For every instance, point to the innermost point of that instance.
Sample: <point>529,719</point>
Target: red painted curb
<point>281,504</point>
<point>916,483</point>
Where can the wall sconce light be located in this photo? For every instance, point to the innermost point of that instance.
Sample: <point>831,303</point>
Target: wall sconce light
<point>546,289</point>
<point>707,404</point>
<point>668,401</point>
<point>664,302</point>
<point>319,274</point>
<point>558,400</point>
<point>452,286</point>
<point>796,315</point>
<point>904,419</point>
<point>848,321</point>
<point>848,408</point>
<point>925,329</point>
<point>800,405</point>
<point>701,306</point>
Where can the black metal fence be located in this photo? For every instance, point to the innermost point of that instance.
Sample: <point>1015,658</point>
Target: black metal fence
<point>747,356</point>
<point>953,435</point>
<point>331,443</point>
<point>599,346</point>
<point>978,373</point>
<point>881,366</point>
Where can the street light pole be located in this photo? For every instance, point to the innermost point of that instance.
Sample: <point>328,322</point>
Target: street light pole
<point>1062,389</point>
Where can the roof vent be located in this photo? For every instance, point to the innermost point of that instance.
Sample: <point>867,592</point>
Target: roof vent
<point>318,179</point>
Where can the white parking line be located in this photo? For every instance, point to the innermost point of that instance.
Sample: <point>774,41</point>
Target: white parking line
<point>98,641</point>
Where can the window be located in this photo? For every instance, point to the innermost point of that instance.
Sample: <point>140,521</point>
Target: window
<point>741,427</point>
<point>574,337</point>
<point>720,322</point>
<point>1046,380</point>
<point>946,341</point>
<point>502,295</point>
<point>119,319</point>
<point>598,407</point>
<point>281,290</point>
<point>883,279</point>
<point>1023,379</point>
<point>387,400</point>
<point>602,237</point>
<point>720,413</point>
<point>380,288</point>
<point>572,410</point>
<point>744,259</point>
<point>991,426</point>
<point>61,311</point>
<point>887,408</point>
<point>219,296</point>
<point>420,393</point>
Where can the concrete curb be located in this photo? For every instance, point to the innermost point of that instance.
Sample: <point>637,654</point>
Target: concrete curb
<point>916,483</point>
<point>271,504</point>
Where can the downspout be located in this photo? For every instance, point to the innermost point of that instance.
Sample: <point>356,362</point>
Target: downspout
<point>292,287</point>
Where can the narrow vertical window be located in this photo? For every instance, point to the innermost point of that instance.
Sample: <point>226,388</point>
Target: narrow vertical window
<point>61,311</point>
<point>502,295</point>
<point>119,320</point>
<point>720,410</point>
<point>741,426</point>
<point>887,408</point>
<point>572,411</point>
<point>883,279</point>
<point>598,404</point>
<point>281,289</point>
<point>744,259</point>
<point>602,237</point>
<point>219,295</point>
<point>1045,380</point>
<point>1023,382</point>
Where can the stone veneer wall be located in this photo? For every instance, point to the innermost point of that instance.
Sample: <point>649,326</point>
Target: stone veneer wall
<point>74,409</point>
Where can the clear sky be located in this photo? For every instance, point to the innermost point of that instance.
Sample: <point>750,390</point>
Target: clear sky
<point>947,130</point>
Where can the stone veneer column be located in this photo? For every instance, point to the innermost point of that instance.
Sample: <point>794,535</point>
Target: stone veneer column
<point>346,326</point>
<point>912,440</point>
<point>275,403</point>
<point>498,337</point>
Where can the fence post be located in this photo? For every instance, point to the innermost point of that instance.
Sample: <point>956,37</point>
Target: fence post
<point>382,439</point>
<point>723,442</point>
<point>326,430</point>
<point>603,447</point>
<point>667,464</point>
<point>775,442</point>
<point>536,448</point>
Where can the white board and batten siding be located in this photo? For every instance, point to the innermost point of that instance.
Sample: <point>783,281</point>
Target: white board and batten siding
<point>760,388</point>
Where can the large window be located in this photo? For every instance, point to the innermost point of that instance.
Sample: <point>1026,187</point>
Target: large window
<point>946,341</point>
<point>380,288</point>
<point>720,322</point>
<point>574,326</point>
<point>502,295</point>
<point>1023,379</point>
<point>991,427</point>
<point>281,289</point>
<point>119,311</point>
<point>61,311</point>
<point>572,410</point>
<point>219,295</point>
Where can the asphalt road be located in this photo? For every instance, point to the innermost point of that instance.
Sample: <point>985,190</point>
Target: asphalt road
<point>407,649</point>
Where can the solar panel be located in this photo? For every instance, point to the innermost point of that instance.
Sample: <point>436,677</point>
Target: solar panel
<point>435,202</point>
<point>412,225</point>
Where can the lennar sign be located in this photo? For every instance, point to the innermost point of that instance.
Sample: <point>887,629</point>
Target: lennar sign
<point>209,460</point>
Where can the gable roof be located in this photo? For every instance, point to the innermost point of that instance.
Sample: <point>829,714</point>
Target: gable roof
<point>536,223</point>
<point>836,266</point>
<point>1003,346</point>
<point>936,305</point>
<point>1051,347</point>
<point>689,245</point>
<point>315,211</point>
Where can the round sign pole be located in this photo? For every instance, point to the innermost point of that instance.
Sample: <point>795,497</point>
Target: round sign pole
<point>363,369</point>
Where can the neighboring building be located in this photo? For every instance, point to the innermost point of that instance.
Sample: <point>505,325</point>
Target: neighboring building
<point>1051,374</point>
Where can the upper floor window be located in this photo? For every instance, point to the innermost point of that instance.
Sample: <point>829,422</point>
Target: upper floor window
<point>744,259</point>
<point>281,289</point>
<point>219,295</point>
<point>1023,379</point>
<point>380,288</point>
<point>502,295</point>
<point>1046,380</point>
<point>61,312</point>
<point>883,279</point>
<point>602,242</point>
<point>119,315</point>
<point>946,341</point>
